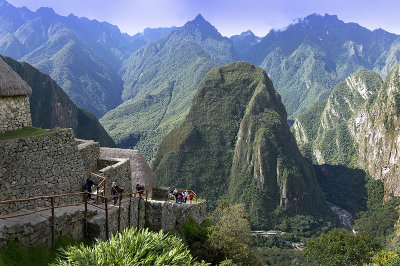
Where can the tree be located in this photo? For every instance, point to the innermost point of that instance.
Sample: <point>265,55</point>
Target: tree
<point>339,247</point>
<point>230,237</point>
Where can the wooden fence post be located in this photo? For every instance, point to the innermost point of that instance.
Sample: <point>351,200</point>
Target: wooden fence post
<point>119,212</point>
<point>85,233</point>
<point>106,208</point>
<point>53,237</point>
<point>129,210</point>
<point>138,208</point>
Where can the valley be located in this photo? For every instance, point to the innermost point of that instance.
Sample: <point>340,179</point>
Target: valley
<point>297,131</point>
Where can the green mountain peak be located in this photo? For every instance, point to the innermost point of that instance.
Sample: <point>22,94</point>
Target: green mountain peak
<point>235,143</point>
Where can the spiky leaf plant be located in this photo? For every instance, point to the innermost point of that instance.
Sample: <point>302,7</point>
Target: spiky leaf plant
<point>130,247</point>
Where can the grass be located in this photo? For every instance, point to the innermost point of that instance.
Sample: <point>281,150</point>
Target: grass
<point>26,132</point>
<point>14,254</point>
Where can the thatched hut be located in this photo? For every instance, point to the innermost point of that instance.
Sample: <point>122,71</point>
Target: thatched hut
<point>14,100</point>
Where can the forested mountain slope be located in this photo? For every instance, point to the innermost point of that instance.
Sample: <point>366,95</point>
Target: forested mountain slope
<point>51,106</point>
<point>235,143</point>
<point>82,55</point>
<point>358,126</point>
<point>160,80</point>
<point>308,58</point>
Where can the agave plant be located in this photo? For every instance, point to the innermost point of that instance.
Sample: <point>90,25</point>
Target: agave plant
<point>131,247</point>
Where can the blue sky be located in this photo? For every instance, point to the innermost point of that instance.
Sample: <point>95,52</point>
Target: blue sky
<point>228,16</point>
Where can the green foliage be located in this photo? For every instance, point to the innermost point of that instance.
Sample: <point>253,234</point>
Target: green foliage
<point>339,247</point>
<point>284,257</point>
<point>86,77</point>
<point>396,97</point>
<point>305,226</point>
<point>326,124</point>
<point>308,58</point>
<point>130,247</point>
<point>301,77</point>
<point>310,120</point>
<point>386,258</point>
<point>222,238</point>
<point>207,154</point>
<point>51,107</point>
<point>90,128</point>
<point>343,186</point>
<point>160,81</point>
<point>14,254</point>
<point>380,217</point>
<point>26,132</point>
<point>229,235</point>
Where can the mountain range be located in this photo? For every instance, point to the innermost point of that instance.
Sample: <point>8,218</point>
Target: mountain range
<point>82,55</point>
<point>160,80</point>
<point>357,127</point>
<point>51,107</point>
<point>142,85</point>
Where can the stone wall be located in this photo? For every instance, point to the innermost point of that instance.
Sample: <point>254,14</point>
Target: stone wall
<point>169,215</point>
<point>35,229</point>
<point>39,166</point>
<point>14,113</point>
<point>141,171</point>
<point>90,152</point>
<point>97,224</point>
<point>119,171</point>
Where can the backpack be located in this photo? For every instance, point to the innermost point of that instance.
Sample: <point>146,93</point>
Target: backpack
<point>85,187</point>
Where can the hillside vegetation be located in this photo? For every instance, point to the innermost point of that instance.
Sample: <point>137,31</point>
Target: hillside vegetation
<point>51,107</point>
<point>325,133</point>
<point>160,80</point>
<point>83,56</point>
<point>308,58</point>
<point>235,143</point>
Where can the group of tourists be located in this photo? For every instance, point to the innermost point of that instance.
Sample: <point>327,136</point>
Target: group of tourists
<point>115,190</point>
<point>182,196</point>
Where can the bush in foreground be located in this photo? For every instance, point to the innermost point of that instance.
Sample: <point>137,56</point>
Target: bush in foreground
<point>339,247</point>
<point>131,247</point>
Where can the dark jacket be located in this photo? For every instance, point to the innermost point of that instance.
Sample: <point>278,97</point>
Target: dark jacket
<point>89,184</point>
<point>114,190</point>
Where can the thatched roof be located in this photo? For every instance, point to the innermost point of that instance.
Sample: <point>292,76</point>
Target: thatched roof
<point>11,84</point>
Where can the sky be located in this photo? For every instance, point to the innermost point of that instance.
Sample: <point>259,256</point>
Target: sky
<point>230,17</point>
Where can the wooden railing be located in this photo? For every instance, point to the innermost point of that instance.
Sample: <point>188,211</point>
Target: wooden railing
<point>128,198</point>
<point>122,198</point>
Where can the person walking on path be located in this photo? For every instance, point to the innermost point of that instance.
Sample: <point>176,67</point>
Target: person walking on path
<point>115,191</point>
<point>185,196</point>
<point>191,196</point>
<point>88,187</point>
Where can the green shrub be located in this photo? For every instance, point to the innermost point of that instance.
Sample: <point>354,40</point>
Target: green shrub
<point>380,217</point>
<point>130,247</point>
<point>339,247</point>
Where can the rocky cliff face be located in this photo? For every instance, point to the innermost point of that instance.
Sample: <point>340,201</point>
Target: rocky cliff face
<point>326,132</point>
<point>235,143</point>
<point>378,135</point>
<point>358,127</point>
